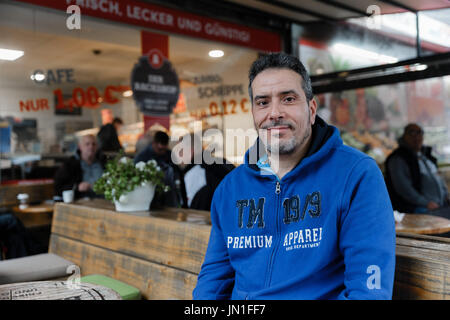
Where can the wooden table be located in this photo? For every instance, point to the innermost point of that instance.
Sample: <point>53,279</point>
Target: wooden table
<point>423,224</point>
<point>37,190</point>
<point>35,215</point>
<point>159,252</point>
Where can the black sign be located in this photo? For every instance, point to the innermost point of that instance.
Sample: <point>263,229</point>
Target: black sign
<point>155,85</point>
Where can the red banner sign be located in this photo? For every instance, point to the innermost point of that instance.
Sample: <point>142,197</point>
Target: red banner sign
<point>151,42</point>
<point>160,18</point>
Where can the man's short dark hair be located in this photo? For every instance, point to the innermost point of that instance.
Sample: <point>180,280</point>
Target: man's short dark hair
<point>411,127</point>
<point>161,137</point>
<point>280,61</point>
<point>117,120</point>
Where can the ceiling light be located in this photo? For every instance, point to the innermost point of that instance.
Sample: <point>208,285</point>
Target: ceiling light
<point>37,77</point>
<point>419,67</point>
<point>10,55</point>
<point>127,93</point>
<point>216,53</point>
<point>350,50</point>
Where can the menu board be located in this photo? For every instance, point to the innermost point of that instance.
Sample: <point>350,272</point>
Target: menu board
<point>155,85</point>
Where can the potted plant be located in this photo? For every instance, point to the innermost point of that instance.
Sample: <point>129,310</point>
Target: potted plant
<point>130,186</point>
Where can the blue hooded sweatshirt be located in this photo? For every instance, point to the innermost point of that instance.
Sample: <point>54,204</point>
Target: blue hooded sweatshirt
<point>324,231</point>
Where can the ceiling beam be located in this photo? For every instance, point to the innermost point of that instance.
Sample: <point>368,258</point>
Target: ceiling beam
<point>231,12</point>
<point>293,8</point>
<point>399,5</point>
<point>342,6</point>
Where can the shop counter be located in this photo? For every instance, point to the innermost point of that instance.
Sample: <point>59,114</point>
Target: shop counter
<point>159,252</point>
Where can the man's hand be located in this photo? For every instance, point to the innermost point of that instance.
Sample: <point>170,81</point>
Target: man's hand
<point>432,205</point>
<point>84,186</point>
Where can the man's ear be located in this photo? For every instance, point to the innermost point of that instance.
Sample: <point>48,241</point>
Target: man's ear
<point>313,109</point>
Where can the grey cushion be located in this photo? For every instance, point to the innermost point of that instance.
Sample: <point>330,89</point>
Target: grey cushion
<point>33,268</point>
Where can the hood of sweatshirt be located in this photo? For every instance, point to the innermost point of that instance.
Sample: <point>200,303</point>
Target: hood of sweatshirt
<point>323,138</point>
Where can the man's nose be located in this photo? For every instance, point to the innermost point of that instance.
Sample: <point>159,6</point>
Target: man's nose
<point>276,111</point>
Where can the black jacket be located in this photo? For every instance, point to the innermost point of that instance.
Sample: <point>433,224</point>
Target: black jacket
<point>412,160</point>
<point>214,174</point>
<point>108,139</point>
<point>70,174</point>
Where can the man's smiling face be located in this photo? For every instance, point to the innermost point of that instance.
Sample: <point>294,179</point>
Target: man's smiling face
<point>281,112</point>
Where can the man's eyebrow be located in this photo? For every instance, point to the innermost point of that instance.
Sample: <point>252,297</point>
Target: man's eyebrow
<point>260,97</point>
<point>292,91</point>
<point>288,92</point>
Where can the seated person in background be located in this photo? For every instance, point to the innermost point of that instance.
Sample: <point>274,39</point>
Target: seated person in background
<point>108,138</point>
<point>412,177</point>
<point>202,174</point>
<point>81,170</point>
<point>159,151</point>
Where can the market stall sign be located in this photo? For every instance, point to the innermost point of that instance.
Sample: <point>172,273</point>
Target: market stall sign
<point>170,20</point>
<point>155,84</point>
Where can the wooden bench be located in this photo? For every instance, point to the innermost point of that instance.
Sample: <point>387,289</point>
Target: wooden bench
<point>422,267</point>
<point>161,252</point>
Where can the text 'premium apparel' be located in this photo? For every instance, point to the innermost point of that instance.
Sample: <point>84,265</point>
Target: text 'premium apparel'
<point>324,231</point>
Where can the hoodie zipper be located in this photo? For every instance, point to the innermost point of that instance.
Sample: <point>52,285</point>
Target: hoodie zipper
<point>277,226</point>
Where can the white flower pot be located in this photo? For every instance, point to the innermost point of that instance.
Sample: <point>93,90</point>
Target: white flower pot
<point>137,200</point>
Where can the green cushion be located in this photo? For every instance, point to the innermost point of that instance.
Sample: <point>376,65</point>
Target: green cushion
<point>126,291</point>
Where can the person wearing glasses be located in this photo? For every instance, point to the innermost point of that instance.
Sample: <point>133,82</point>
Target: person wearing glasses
<point>412,177</point>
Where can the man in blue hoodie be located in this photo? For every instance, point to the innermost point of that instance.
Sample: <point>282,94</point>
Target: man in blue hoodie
<point>304,217</point>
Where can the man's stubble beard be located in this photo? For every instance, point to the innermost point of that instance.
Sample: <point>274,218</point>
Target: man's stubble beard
<point>289,146</point>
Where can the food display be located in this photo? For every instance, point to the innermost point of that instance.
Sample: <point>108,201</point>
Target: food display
<point>376,145</point>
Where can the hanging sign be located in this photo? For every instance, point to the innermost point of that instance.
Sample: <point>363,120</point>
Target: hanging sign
<point>170,20</point>
<point>155,84</point>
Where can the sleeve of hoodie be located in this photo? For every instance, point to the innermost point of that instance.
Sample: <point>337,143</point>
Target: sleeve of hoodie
<point>367,235</point>
<point>216,278</point>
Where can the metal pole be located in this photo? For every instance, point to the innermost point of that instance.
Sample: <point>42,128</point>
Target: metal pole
<point>418,44</point>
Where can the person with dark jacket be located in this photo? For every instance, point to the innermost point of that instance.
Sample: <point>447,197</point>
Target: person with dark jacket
<point>412,178</point>
<point>80,171</point>
<point>108,138</point>
<point>202,173</point>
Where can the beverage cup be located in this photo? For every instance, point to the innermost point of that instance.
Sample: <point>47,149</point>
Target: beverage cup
<point>68,196</point>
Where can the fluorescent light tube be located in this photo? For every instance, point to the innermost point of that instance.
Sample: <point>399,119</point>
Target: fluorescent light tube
<point>350,50</point>
<point>10,55</point>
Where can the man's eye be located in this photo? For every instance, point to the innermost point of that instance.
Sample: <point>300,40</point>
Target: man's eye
<point>261,103</point>
<point>289,99</point>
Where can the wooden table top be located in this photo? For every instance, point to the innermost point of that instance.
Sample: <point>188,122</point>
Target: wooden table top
<point>39,208</point>
<point>423,224</point>
<point>175,214</point>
